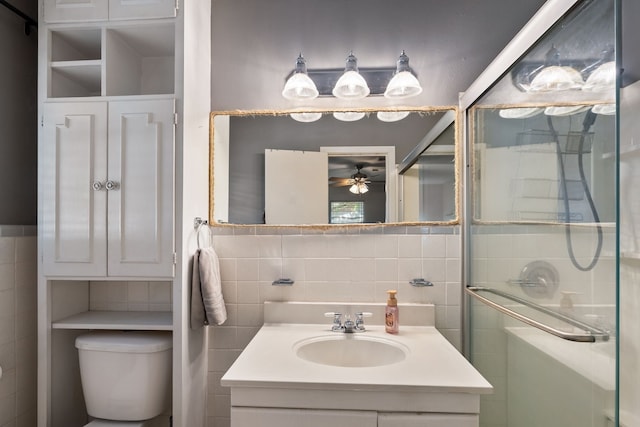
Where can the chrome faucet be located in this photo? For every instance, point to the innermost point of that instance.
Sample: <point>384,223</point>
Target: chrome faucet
<point>349,326</point>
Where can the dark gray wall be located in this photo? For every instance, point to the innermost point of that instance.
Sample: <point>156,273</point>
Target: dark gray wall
<point>18,117</point>
<point>255,43</point>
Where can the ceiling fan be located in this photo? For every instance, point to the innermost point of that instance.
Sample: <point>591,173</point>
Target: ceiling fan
<point>357,183</point>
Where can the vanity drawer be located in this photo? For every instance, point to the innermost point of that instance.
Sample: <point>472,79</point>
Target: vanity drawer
<point>426,420</point>
<point>271,417</point>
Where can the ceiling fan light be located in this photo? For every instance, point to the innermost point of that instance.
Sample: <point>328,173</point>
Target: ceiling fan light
<point>351,84</point>
<point>300,86</point>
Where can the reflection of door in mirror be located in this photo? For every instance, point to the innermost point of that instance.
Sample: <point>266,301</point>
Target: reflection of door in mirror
<point>296,190</point>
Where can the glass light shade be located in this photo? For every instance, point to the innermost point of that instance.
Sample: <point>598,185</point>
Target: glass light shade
<point>602,79</point>
<point>565,111</point>
<point>348,116</point>
<point>306,117</point>
<point>403,85</point>
<point>351,85</point>
<point>300,87</point>
<point>359,188</point>
<point>519,113</point>
<point>604,109</point>
<point>556,78</point>
<point>391,116</point>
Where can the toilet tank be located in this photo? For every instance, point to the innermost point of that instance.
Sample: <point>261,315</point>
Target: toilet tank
<point>126,375</point>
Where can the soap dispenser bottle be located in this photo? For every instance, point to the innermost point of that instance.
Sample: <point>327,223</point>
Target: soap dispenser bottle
<point>391,315</point>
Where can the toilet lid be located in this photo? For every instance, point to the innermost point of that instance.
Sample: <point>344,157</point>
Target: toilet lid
<point>125,341</point>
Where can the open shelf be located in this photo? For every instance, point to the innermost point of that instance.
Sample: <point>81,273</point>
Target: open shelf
<point>119,320</point>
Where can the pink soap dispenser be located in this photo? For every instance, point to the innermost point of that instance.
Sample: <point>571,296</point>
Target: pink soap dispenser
<point>391,315</point>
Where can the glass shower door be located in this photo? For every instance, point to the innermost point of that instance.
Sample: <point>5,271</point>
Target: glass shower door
<point>542,229</point>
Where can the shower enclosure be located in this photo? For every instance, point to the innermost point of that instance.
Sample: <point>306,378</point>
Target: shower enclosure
<point>541,232</point>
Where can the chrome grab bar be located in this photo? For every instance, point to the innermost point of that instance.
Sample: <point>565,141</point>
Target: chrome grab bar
<point>591,334</point>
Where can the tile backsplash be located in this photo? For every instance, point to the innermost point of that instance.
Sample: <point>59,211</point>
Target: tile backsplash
<point>354,266</point>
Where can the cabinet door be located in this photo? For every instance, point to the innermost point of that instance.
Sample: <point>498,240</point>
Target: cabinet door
<point>73,168</point>
<point>136,9</point>
<point>141,194</point>
<point>427,420</point>
<point>75,10</point>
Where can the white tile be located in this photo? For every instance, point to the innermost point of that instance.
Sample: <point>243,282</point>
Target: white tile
<point>386,269</point>
<point>138,292</point>
<point>362,246</point>
<point>7,326</point>
<point>293,268</point>
<point>270,269</point>
<point>7,250</point>
<point>8,302</point>
<point>248,292</point>
<point>26,274</point>
<point>221,360</point>
<point>316,269</point>
<point>117,292</point>
<point>434,246</point>
<point>409,269</point>
<point>248,269</point>
<point>339,246</point>
<point>434,269</point>
<point>410,246</point>
<point>8,355</point>
<point>26,250</point>
<point>250,315</point>
<point>316,246</point>
<point>160,292</point>
<point>223,337</point>
<point>294,246</point>
<point>453,293</point>
<point>453,246</point>
<point>228,269</point>
<point>7,277</point>
<point>453,271</point>
<point>362,269</point>
<point>269,246</point>
<point>386,246</point>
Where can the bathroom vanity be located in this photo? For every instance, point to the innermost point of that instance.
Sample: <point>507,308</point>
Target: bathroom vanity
<point>297,371</point>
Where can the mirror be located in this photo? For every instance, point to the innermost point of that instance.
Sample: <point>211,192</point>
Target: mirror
<point>267,168</point>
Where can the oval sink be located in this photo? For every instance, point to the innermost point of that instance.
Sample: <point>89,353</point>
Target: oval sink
<point>349,350</point>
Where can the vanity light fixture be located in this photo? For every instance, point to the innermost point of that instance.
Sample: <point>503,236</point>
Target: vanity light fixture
<point>299,85</point>
<point>403,84</point>
<point>351,84</point>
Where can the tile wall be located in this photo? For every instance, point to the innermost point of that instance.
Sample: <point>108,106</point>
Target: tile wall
<point>357,265</point>
<point>18,326</point>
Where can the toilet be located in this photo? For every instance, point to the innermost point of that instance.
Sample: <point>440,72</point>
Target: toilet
<point>125,375</point>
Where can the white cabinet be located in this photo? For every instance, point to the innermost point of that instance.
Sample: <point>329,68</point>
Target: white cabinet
<point>107,188</point>
<point>100,10</point>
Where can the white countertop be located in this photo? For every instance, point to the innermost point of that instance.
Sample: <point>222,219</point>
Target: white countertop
<point>432,364</point>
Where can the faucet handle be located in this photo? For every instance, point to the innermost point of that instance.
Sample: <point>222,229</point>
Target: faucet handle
<point>337,320</point>
<point>360,319</point>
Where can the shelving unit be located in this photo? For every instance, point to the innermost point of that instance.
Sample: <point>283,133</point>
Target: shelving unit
<point>115,109</point>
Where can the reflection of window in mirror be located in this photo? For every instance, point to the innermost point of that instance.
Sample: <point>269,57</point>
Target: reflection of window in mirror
<point>346,212</point>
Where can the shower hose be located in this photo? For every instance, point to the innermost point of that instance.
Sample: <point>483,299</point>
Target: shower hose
<point>588,121</point>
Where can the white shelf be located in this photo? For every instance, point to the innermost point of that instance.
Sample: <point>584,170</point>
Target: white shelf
<point>120,320</point>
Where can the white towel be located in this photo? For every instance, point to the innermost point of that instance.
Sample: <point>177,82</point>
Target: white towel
<point>207,302</point>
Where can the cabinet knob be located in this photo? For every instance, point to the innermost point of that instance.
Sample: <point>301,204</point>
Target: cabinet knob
<point>112,185</point>
<point>97,186</point>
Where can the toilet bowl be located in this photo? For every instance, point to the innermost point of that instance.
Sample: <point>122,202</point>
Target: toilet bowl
<point>125,375</point>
